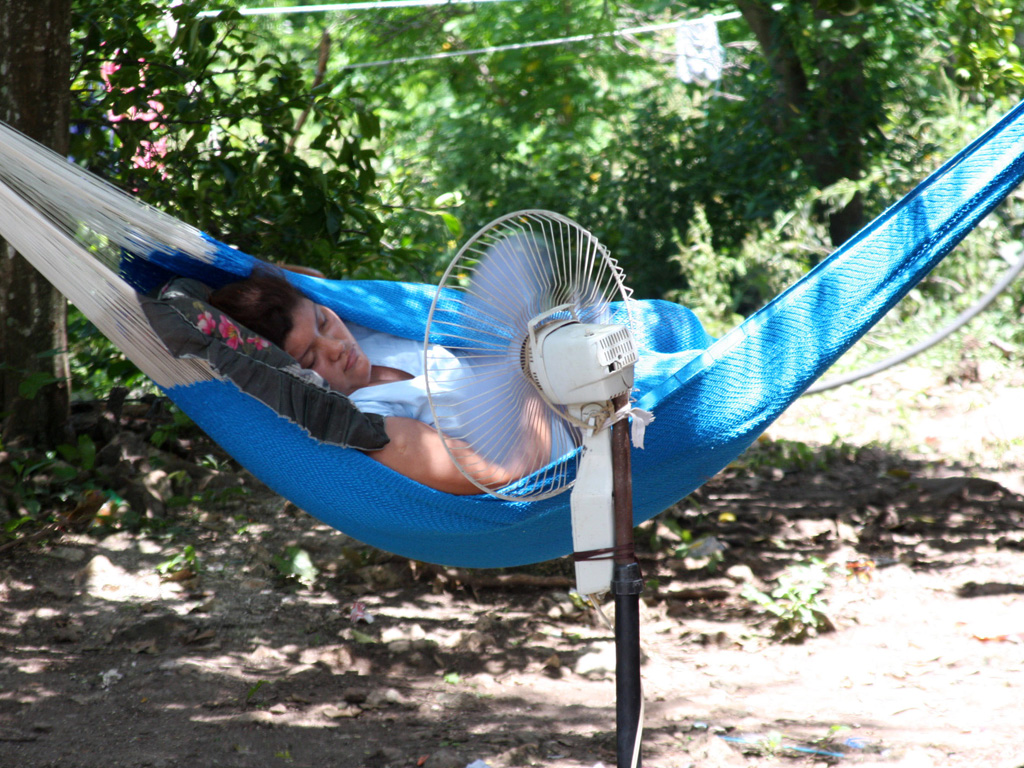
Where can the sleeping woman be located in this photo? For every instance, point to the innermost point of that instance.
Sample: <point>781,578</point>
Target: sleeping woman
<point>380,373</point>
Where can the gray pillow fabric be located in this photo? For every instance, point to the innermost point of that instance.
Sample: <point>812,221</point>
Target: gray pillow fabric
<point>190,327</point>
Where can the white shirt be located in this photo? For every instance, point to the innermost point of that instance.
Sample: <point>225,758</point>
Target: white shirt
<point>397,398</point>
<point>480,425</point>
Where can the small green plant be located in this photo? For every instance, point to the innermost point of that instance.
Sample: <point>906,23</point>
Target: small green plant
<point>253,690</point>
<point>362,638</point>
<point>83,454</point>
<point>206,498</point>
<point>296,564</point>
<point>796,602</point>
<point>185,561</point>
<point>580,602</point>
<point>794,456</point>
<point>835,734</point>
<point>21,496</point>
<point>707,548</point>
<point>43,487</point>
<point>771,743</point>
<point>11,526</point>
<point>179,422</point>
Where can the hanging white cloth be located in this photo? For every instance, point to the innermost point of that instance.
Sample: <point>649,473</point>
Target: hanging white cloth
<point>699,54</point>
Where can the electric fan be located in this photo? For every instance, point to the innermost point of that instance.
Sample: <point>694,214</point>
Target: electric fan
<point>525,369</point>
<point>528,381</point>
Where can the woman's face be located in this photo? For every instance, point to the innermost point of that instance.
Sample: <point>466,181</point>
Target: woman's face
<point>320,341</point>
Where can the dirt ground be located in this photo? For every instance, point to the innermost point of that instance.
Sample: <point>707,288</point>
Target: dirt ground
<point>890,513</point>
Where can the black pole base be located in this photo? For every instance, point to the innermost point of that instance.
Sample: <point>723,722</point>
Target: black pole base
<point>627,584</point>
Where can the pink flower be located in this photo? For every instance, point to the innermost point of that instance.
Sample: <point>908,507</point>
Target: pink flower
<point>230,333</point>
<point>108,68</point>
<point>149,154</point>
<point>206,323</point>
<point>359,613</point>
<point>258,342</point>
<point>153,115</point>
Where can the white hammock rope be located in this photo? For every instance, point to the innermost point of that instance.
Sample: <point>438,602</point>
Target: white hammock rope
<point>71,226</point>
<point>88,208</point>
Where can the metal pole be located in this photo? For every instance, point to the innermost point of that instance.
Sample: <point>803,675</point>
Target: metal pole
<point>627,584</point>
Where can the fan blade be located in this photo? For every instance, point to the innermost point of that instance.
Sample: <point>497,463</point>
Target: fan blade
<point>492,417</point>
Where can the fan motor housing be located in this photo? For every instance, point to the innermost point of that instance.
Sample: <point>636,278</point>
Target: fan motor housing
<point>573,362</point>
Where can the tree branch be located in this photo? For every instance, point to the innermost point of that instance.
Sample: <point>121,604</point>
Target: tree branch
<point>321,69</point>
<point>780,52</point>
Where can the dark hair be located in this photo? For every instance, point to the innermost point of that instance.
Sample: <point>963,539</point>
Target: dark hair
<point>263,302</point>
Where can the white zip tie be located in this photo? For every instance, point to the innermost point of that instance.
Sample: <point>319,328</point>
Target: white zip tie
<point>640,419</point>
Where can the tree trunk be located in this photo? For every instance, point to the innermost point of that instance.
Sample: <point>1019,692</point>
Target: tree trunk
<point>834,129</point>
<point>35,94</point>
<point>778,49</point>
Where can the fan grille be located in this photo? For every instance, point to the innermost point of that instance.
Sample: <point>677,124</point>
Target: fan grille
<point>493,420</point>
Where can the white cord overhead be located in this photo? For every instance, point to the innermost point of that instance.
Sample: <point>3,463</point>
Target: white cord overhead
<point>339,7</point>
<point>537,43</point>
<point>385,4</point>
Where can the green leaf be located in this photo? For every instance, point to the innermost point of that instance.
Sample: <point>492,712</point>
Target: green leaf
<point>186,559</point>
<point>29,387</point>
<point>362,637</point>
<point>254,689</point>
<point>64,473</point>
<point>296,563</point>
<point>452,223</point>
<point>12,525</point>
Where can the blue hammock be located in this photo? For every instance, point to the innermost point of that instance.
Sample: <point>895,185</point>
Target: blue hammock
<point>711,399</point>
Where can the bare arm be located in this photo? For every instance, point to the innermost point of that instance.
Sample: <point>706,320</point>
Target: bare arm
<point>416,451</point>
<point>301,270</point>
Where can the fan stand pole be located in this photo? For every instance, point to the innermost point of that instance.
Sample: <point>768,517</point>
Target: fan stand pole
<point>627,584</point>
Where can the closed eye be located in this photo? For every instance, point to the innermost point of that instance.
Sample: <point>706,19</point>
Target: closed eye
<point>309,359</point>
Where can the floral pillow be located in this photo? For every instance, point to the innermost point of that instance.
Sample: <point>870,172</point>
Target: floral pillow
<point>190,327</point>
<point>232,334</point>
